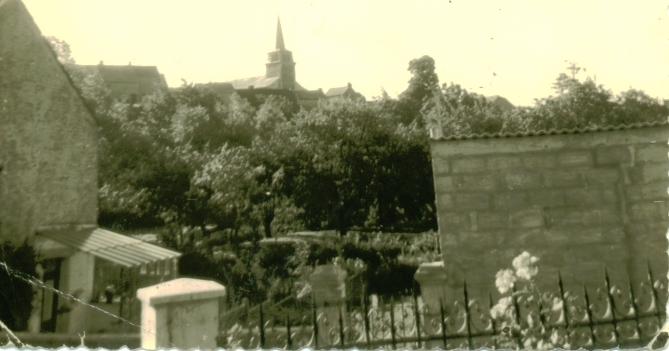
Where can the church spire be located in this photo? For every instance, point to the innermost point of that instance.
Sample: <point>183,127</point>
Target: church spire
<point>280,62</point>
<point>279,36</point>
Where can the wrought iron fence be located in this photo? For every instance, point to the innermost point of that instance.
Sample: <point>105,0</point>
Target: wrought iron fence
<point>612,316</point>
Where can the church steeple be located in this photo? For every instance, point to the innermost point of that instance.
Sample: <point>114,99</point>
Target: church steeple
<point>279,36</point>
<point>280,62</point>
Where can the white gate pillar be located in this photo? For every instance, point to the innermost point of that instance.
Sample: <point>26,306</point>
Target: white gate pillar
<point>181,313</point>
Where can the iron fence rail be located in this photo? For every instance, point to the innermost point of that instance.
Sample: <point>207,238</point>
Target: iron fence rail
<point>612,317</point>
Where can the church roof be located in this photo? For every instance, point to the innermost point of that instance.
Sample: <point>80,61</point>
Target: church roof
<point>256,82</point>
<point>298,87</point>
<point>217,88</point>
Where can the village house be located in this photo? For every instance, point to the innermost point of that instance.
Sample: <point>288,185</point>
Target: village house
<point>129,82</point>
<point>49,185</point>
<point>346,92</point>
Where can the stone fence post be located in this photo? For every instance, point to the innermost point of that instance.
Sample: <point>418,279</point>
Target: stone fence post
<point>328,283</point>
<point>436,289</point>
<point>181,313</point>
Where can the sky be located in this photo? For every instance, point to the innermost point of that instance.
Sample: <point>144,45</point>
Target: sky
<point>512,48</point>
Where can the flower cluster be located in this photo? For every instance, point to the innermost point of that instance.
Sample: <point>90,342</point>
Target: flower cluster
<point>526,328</point>
<point>524,269</point>
<point>504,280</point>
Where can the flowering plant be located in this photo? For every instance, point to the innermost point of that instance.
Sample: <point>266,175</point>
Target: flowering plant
<point>523,309</point>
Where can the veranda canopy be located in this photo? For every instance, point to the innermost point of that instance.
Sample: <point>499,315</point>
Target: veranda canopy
<point>110,246</point>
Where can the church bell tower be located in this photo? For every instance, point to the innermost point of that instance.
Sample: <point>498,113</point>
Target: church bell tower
<point>280,62</point>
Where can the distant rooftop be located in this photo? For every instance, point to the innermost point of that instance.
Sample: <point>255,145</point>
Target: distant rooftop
<point>128,79</point>
<point>345,91</point>
<point>500,101</point>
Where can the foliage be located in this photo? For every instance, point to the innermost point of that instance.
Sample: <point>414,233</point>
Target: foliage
<point>461,113</point>
<point>16,295</point>
<point>518,286</point>
<point>219,171</point>
<point>578,104</point>
<point>191,158</point>
<point>422,85</point>
<point>61,49</point>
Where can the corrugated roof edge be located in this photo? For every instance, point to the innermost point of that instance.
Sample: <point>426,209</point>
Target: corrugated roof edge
<point>552,132</point>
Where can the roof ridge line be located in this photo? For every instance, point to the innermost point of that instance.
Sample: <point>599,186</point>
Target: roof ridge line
<point>553,131</point>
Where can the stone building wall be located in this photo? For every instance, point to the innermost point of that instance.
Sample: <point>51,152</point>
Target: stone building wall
<point>576,201</point>
<point>47,137</point>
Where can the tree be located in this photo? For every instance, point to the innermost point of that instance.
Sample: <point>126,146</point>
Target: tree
<point>423,80</point>
<point>635,106</point>
<point>422,85</point>
<point>459,112</point>
<point>61,49</point>
<point>354,165</point>
<point>580,104</point>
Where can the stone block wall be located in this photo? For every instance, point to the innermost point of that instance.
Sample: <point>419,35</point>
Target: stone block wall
<point>576,201</point>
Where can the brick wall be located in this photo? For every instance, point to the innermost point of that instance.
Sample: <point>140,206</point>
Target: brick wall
<point>47,137</point>
<point>576,201</point>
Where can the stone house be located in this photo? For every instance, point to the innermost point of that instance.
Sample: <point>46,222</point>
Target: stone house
<point>346,92</point>
<point>48,180</point>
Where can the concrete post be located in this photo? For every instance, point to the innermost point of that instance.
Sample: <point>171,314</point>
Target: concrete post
<point>76,278</point>
<point>328,283</point>
<point>435,290</point>
<point>181,313</point>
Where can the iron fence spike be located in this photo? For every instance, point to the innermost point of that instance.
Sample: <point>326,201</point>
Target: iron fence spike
<point>443,322</point>
<point>392,323</point>
<point>262,327</point>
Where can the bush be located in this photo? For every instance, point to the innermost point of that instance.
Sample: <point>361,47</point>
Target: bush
<point>277,267</point>
<point>322,253</point>
<point>275,257</point>
<point>16,294</point>
<point>226,268</point>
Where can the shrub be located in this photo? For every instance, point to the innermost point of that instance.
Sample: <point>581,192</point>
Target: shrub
<point>322,253</point>
<point>16,294</point>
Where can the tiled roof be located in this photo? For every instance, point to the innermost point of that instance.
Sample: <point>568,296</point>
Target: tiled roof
<point>218,88</point>
<point>130,79</point>
<point>336,91</point>
<point>298,87</point>
<point>256,82</point>
<point>128,73</point>
<point>553,131</point>
<point>500,101</point>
